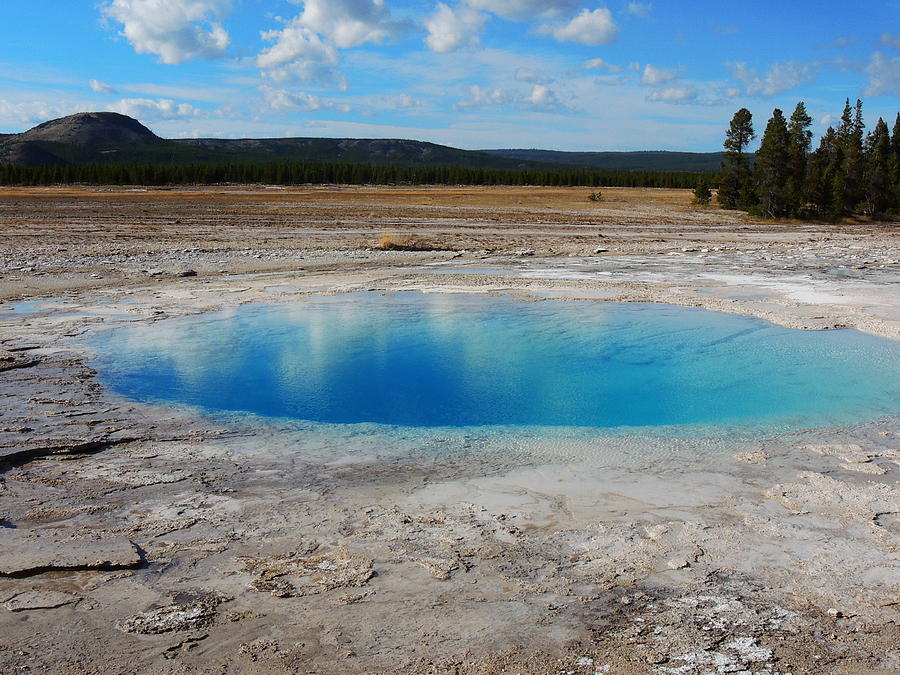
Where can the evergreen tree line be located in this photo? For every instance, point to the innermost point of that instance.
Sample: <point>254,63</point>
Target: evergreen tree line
<point>851,172</point>
<point>295,173</point>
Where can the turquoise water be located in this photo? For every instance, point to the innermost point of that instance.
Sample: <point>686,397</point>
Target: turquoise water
<point>452,360</point>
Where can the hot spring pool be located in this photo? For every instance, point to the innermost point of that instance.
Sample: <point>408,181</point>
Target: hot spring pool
<point>451,360</point>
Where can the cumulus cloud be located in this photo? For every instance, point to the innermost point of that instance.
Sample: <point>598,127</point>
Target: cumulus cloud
<point>451,29</point>
<point>298,54</point>
<point>154,109</point>
<point>674,95</point>
<point>884,75</point>
<point>27,113</point>
<point>779,78</point>
<point>641,9</point>
<point>521,10</point>
<point>539,97</point>
<point>349,23</point>
<point>282,100</point>
<point>306,48</point>
<point>542,98</point>
<point>480,97</point>
<point>175,30</point>
<point>101,87</point>
<point>587,28</point>
<point>656,76</point>
<point>605,66</point>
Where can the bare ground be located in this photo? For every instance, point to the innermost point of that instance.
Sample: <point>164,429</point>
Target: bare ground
<point>136,538</point>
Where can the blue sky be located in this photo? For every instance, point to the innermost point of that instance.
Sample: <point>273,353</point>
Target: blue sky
<point>557,74</point>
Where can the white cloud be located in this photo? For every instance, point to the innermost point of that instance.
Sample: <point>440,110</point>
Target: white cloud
<point>451,29</point>
<point>17,115</point>
<point>612,80</point>
<point>521,10</point>
<point>349,23</point>
<point>674,95</point>
<point>398,102</point>
<point>298,54</point>
<point>641,9</point>
<point>779,78</point>
<point>306,48</point>
<point>656,76</point>
<point>588,28</point>
<point>480,97</point>
<point>282,100</point>
<point>101,87</point>
<point>542,97</point>
<point>884,75</point>
<point>175,30</point>
<point>827,119</point>
<point>154,109</point>
<point>532,77</point>
<point>539,97</point>
<point>600,64</point>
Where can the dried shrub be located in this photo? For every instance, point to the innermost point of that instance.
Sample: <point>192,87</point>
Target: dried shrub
<point>394,242</point>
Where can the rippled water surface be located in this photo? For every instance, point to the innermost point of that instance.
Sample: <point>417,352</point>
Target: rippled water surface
<point>451,360</point>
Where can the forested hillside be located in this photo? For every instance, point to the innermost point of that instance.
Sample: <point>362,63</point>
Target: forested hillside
<point>651,160</point>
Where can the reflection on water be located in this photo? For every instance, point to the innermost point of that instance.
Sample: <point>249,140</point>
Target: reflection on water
<point>444,360</point>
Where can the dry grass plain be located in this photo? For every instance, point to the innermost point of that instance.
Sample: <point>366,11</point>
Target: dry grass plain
<point>58,238</point>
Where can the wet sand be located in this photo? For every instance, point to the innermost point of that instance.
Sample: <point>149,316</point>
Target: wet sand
<point>140,538</point>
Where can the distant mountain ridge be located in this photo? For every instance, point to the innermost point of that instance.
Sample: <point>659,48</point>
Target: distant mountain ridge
<point>107,137</point>
<point>350,150</point>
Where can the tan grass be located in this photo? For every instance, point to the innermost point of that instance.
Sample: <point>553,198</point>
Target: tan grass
<point>404,242</point>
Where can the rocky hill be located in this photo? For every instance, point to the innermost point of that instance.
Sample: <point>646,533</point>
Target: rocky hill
<point>91,129</point>
<point>81,138</point>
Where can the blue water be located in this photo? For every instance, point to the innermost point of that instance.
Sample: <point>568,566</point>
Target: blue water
<point>23,308</point>
<point>429,360</point>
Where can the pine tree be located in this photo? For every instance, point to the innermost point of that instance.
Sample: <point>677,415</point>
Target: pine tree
<point>878,170</point>
<point>702,193</point>
<point>733,185</point>
<point>852,160</point>
<point>800,139</point>
<point>821,179</point>
<point>895,164</point>
<point>772,167</point>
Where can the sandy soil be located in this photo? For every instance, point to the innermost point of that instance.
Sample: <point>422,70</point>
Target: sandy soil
<point>136,538</point>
